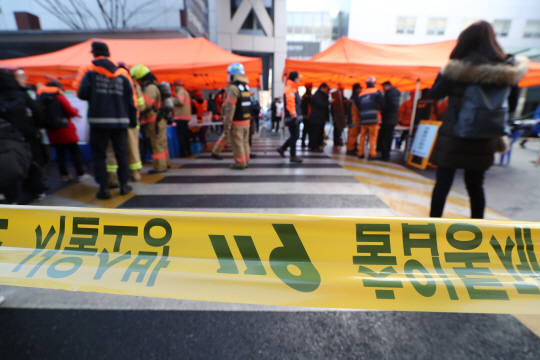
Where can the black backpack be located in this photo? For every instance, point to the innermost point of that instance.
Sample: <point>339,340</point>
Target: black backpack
<point>483,113</point>
<point>53,113</point>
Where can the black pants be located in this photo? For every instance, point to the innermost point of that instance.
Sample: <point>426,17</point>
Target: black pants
<point>184,140</point>
<point>144,143</point>
<point>99,138</point>
<point>474,181</point>
<point>384,141</point>
<point>305,131</point>
<point>294,130</point>
<point>337,135</point>
<point>316,135</point>
<point>275,123</point>
<point>75,153</point>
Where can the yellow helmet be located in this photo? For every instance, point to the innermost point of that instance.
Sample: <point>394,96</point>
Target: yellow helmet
<point>139,71</point>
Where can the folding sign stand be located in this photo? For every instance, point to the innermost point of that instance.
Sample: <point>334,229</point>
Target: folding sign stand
<point>423,143</point>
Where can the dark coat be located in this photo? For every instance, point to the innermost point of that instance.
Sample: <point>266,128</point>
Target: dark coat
<point>320,112</point>
<point>110,96</point>
<point>27,119</point>
<point>390,109</point>
<point>470,154</point>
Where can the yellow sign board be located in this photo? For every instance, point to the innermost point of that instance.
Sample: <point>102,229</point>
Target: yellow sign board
<point>378,263</point>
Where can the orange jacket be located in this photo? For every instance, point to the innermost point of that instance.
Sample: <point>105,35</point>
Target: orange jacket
<point>405,112</point>
<point>200,108</point>
<point>292,100</point>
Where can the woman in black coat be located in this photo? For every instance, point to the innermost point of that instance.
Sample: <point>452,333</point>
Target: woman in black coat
<point>319,116</point>
<point>476,59</point>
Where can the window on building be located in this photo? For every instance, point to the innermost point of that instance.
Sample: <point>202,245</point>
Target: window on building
<point>308,26</point>
<point>436,26</point>
<point>252,25</point>
<point>501,27</point>
<point>532,29</point>
<point>405,25</point>
<point>468,22</point>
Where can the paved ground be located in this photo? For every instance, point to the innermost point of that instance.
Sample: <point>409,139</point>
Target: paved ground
<point>48,324</point>
<point>133,335</point>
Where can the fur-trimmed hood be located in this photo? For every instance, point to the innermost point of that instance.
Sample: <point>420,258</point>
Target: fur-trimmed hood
<point>470,70</point>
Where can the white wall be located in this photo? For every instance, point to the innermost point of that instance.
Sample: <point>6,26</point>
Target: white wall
<point>375,21</point>
<point>159,14</point>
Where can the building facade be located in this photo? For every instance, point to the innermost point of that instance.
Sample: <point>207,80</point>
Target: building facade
<point>253,28</point>
<point>517,23</point>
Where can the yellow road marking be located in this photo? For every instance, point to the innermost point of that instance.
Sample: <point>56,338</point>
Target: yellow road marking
<point>414,209</point>
<point>374,163</point>
<point>417,192</point>
<point>154,178</point>
<point>87,194</point>
<point>532,322</point>
<point>387,174</point>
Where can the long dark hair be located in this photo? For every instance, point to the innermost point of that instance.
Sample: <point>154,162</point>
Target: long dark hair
<point>478,38</point>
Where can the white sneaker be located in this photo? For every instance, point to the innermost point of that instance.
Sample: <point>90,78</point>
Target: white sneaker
<point>66,178</point>
<point>85,177</point>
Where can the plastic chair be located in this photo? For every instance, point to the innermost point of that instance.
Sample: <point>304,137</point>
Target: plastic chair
<point>513,138</point>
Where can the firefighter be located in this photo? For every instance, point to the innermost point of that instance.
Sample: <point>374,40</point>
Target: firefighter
<point>237,113</point>
<point>182,116</point>
<point>133,152</point>
<point>198,107</point>
<point>111,110</point>
<point>155,128</point>
<point>366,111</point>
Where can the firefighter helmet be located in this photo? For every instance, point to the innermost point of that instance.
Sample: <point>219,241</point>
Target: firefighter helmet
<point>139,71</point>
<point>236,68</point>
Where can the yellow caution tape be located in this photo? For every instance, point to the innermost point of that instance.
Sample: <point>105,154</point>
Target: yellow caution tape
<point>313,261</point>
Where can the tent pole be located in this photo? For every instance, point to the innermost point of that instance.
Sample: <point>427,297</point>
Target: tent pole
<point>413,116</point>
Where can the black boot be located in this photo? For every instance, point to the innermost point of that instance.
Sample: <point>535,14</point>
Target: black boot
<point>103,193</point>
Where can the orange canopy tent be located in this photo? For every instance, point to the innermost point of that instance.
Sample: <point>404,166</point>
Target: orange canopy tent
<point>349,61</point>
<point>198,62</point>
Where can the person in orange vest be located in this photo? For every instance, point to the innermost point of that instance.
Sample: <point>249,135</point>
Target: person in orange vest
<point>405,110</point>
<point>220,97</point>
<point>354,128</point>
<point>237,115</point>
<point>199,107</point>
<point>111,111</point>
<point>182,116</point>
<point>225,136</point>
<point>366,110</point>
<point>134,156</point>
<point>442,105</point>
<point>154,127</point>
<point>293,115</point>
<point>426,109</point>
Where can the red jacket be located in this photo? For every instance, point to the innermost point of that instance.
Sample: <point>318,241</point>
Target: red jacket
<point>68,134</point>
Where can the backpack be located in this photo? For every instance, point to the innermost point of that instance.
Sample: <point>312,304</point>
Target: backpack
<point>483,113</point>
<point>53,113</point>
